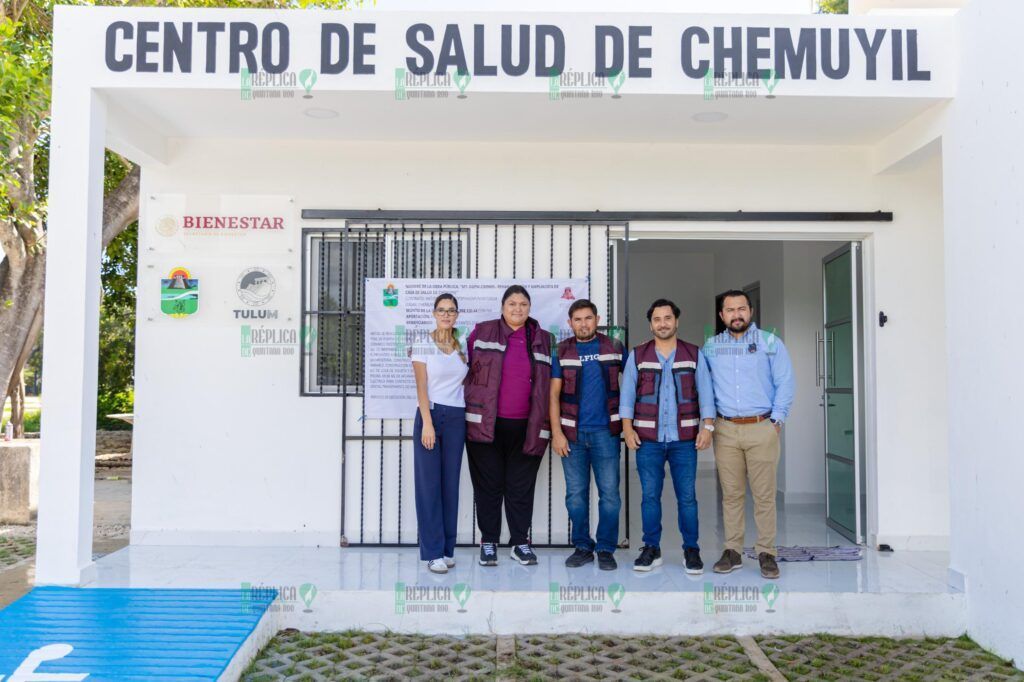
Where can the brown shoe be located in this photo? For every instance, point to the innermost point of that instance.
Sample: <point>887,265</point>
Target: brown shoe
<point>769,569</point>
<point>730,561</point>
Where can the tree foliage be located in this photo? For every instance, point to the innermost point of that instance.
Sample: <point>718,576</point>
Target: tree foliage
<point>834,6</point>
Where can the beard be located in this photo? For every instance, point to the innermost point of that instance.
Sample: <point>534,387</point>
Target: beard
<point>665,334</point>
<point>580,337</point>
<point>739,326</point>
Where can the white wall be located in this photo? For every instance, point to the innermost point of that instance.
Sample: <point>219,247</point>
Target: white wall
<point>255,463</point>
<point>804,474</point>
<point>693,272</point>
<point>981,153</point>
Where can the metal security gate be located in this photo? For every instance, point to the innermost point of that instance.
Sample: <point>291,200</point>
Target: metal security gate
<point>377,485</point>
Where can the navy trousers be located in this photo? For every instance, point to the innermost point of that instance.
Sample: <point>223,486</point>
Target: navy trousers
<point>437,480</point>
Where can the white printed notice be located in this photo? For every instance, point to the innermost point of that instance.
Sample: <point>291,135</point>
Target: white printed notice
<point>399,312</point>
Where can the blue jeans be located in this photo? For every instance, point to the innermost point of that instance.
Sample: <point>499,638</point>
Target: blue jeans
<point>596,449</point>
<point>437,479</point>
<point>682,462</point>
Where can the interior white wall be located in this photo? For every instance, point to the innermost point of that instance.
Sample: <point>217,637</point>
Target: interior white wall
<point>270,473</point>
<point>804,467</point>
<point>981,151</point>
<point>693,272</point>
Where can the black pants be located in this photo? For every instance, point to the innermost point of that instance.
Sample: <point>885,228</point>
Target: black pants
<point>501,472</point>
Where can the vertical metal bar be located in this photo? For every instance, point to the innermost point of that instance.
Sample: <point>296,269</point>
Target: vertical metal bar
<point>551,274</point>
<point>495,272</point>
<point>476,267</point>
<point>625,319</point>
<point>341,360</point>
<point>450,246</point>
<point>533,251</point>
<point>433,256</point>
<point>515,229</point>
<point>405,255</point>
<point>609,282</point>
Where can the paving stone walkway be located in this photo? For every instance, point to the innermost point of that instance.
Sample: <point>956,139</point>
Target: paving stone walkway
<point>357,655</point>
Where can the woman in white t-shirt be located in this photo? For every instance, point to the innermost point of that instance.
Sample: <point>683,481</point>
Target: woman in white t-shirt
<point>439,434</point>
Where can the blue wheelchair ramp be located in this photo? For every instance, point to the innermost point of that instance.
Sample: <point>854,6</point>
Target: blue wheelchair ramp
<point>69,633</point>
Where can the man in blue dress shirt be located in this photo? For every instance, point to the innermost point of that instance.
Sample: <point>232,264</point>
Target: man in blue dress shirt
<point>749,386</point>
<point>660,414</point>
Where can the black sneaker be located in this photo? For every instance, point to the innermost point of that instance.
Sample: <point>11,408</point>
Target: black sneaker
<point>648,559</point>
<point>524,555</point>
<point>579,557</point>
<point>691,557</point>
<point>606,561</point>
<point>488,554</point>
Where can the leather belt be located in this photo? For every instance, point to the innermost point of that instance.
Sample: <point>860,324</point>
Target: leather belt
<point>747,420</point>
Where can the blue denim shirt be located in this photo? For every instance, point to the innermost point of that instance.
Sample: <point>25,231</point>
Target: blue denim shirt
<point>744,377</point>
<point>667,403</point>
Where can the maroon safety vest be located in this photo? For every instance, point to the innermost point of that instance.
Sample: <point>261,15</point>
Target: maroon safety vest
<point>483,382</point>
<point>648,388</point>
<point>610,359</point>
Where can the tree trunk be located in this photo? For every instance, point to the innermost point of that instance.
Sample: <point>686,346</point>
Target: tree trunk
<point>16,389</point>
<point>21,297</point>
<point>17,394</point>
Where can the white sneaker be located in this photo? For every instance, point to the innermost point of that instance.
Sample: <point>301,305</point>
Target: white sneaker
<point>449,561</point>
<point>437,566</point>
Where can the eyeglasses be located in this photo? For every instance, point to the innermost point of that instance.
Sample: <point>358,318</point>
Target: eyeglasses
<point>446,311</point>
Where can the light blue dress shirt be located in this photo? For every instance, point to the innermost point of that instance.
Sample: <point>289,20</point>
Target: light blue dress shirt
<point>668,406</point>
<point>744,377</point>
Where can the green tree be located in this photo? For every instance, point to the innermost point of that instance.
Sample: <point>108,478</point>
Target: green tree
<point>834,6</point>
<point>26,32</point>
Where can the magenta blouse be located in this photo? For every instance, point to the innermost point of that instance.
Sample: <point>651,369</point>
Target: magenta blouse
<point>514,393</point>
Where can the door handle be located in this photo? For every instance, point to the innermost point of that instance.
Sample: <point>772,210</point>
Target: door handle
<point>819,339</point>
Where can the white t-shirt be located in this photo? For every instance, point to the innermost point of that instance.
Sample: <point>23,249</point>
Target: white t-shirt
<point>444,373</point>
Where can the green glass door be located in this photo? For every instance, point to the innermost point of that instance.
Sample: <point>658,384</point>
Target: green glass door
<point>840,365</point>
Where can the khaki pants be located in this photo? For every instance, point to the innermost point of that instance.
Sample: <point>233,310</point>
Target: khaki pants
<point>747,452</point>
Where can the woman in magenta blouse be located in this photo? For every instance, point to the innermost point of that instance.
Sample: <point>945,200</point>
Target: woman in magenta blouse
<point>507,427</point>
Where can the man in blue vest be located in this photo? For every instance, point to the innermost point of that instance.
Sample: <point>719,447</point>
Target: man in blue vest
<point>661,420</point>
<point>585,428</point>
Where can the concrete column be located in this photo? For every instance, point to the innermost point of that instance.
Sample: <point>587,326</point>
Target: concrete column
<point>71,323</point>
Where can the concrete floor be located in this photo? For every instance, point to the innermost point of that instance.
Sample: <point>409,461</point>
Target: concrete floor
<point>111,521</point>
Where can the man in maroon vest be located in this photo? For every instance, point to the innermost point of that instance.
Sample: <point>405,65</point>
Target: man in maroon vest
<point>507,429</point>
<point>661,421</point>
<point>585,428</point>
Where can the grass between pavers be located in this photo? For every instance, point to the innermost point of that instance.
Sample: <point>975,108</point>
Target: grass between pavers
<point>360,655</point>
<point>14,550</point>
<point>876,659</point>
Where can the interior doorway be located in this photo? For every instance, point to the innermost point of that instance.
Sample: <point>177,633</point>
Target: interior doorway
<point>796,287</point>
